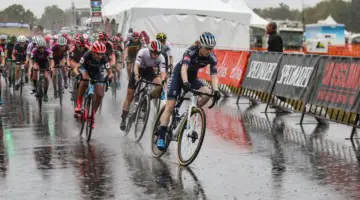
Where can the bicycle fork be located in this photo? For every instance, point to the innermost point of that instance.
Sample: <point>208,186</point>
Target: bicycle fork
<point>189,124</point>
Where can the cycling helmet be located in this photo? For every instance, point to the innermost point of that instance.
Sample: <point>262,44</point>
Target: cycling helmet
<point>95,36</point>
<point>161,36</point>
<point>48,38</point>
<point>21,38</point>
<point>131,30</point>
<point>135,35</point>
<point>85,36</point>
<point>56,37</point>
<point>11,38</point>
<point>62,41</point>
<point>155,46</point>
<point>41,42</point>
<point>103,36</point>
<point>98,47</point>
<point>207,40</point>
<point>3,37</point>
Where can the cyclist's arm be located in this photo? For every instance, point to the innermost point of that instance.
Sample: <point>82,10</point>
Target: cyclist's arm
<point>13,57</point>
<point>6,52</point>
<point>214,78</point>
<point>2,57</point>
<point>136,69</point>
<point>52,63</point>
<point>184,76</point>
<point>113,58</point>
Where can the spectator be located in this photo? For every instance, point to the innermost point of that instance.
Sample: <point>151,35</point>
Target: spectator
<point>275,42</point>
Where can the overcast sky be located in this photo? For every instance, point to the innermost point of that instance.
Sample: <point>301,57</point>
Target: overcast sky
<point>37,6</point>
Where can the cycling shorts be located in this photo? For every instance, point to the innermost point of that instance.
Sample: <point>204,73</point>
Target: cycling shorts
<point>175,83</point>
<point>146,73</point>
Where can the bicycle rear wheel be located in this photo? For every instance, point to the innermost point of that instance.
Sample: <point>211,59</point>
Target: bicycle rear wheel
<point>142,113</point>
<point>89,120</point>
<point>190,136</point>
<point>21,81</point>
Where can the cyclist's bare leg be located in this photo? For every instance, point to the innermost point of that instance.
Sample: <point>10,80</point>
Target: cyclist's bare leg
<point>99,94</point>
<point>17,73</point>
<point>204,99</point>
<point>128,100</point>
<point>129,66</point>
<point>118,70</point>
<point>169,109</point>
<point>53,72</point>
<point>47,81</point>
<point>34,74</point>
<point>64,71</point>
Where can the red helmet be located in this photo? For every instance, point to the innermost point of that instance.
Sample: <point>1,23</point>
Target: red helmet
<point>98,47</point>
<point>136,35</point>
<point>103,36</point>
<point>155,46</point>
<point>48,38</point>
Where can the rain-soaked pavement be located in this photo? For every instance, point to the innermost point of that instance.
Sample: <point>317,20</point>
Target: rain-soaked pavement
<point>244,156</point>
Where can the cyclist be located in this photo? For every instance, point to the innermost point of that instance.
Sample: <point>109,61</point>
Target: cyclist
<point>3,41</point>
<point>19,56</point>
<point>148,63</point>
<point>48,39</point>
<point>185,76</point>
<point>166,51</point>
<point>77,51</point>
<point>145,39</point>
<point>11,40</point>
<point>118,50</point>
<point>42,59</point>
<point>2,64</point>
<point>104,38</point>
<point>59,52</point>
<point>92,66</point>
<point>131,49</point>
<point>29,49</point>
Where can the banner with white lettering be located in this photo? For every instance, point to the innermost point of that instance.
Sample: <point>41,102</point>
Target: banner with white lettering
<point>296,76</point>
<point>337,83</point>
<point>261,71</point>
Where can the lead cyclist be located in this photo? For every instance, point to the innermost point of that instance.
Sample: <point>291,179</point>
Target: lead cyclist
<point>185,76</point>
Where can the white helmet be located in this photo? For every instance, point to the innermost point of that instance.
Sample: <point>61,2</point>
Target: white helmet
<point>41,42</point>
<point>21,38</point>
<point>207,40</point>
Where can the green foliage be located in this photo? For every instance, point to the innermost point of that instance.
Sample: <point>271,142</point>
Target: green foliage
<point>17,13</point>
<point>52,14</point>
<point>345,12</point>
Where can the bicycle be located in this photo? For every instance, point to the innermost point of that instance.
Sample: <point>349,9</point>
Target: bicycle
<point>40,86</point>
<point>59,81</point>
<point>86,115</point>
<point>142,100</point>
<point>180,129</point>
<point>12,74</point>
<point>22,72</point>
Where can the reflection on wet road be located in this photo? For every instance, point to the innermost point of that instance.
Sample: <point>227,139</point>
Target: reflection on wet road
<point>245,155</point>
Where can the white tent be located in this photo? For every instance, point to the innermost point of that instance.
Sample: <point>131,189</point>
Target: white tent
<point>328,21</point>
<point>184,20</point>
<point>255,20</point>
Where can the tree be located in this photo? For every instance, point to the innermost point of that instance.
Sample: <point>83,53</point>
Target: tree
<point>17,13</point>
<point>52,14</point>
<point>355,15</point>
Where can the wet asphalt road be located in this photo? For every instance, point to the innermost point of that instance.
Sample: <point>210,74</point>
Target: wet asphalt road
<point>245,155</point>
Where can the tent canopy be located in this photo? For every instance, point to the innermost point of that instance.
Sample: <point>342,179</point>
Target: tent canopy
<point>255,20</point>
<point>328,21</point>
<point>184,20</point>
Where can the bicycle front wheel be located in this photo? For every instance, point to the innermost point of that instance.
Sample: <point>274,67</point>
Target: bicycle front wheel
<point>60,88</point>
<point>188,135</point>
<point>89,120</point>
<point>142,116</point>
<point>21,82</point>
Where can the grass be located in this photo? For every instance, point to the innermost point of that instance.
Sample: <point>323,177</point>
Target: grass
<point>15,31</point>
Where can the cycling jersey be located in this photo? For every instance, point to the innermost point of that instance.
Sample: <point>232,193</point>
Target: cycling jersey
<point>147,65</point>
<point>76,54</point>
<point>3,46</point>
<point>193,59</point>
<point>9,47</point>
<point>166,52</point>
<point>19,53</point>
<point>42,58</point>
<point>93,67</point>
<point>2,54</point>
<point>133,48</point>
<point>195,62</point>
<point>30,48</point>
<point>109,49</point>
<point>59,54</point>
<point>144,60</point>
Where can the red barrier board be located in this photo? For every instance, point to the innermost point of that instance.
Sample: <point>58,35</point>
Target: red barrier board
<point>231,67</point>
